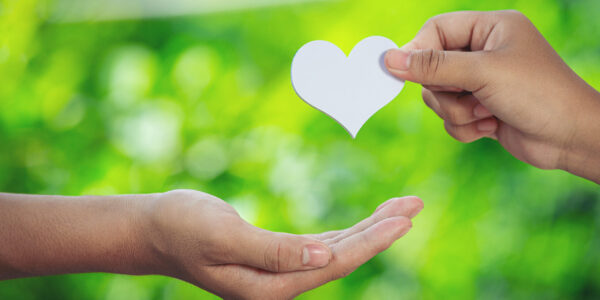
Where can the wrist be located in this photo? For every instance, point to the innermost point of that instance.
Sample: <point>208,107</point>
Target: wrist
<point>151,255</point>
<point>582,152</point>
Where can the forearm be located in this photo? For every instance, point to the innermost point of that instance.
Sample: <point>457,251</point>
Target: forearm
<point>583,154</point>
<point>44,235</point>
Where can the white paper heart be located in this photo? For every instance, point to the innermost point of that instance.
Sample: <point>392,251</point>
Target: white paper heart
<point>348,89</point>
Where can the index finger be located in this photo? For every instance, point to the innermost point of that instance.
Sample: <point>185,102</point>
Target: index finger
<point>454,31</point>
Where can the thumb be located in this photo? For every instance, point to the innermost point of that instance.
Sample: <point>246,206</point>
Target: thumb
<point>280,252</point>
<point>437,68</point>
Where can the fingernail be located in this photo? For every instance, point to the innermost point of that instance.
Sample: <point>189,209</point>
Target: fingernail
<point>486,125</point>
<point>315,255</point>
<point>397,59</point>
<point>481,112</point>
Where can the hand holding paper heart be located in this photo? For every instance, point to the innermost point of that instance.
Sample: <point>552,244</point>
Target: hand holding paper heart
<point>349,89</point>
<point>511,86</point>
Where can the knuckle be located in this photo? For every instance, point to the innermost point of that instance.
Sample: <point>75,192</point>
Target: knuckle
<point>427,58</point>
<point>514,16</point>
<point>272,253</point>
<point>515,13</point>
<point>433,21</point>
<point>430,22</point>
<point>417,59</point>
<point>426,63</point>
<point>480,65</point>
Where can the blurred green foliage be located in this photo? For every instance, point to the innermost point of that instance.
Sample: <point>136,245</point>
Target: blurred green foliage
<point>205,102</point>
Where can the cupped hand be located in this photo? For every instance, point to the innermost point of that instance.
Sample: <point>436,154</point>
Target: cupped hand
<point>492,74</point>
<point>201,239</point>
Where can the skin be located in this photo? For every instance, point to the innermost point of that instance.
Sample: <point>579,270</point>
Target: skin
<point>486,74</point>
<point>492,74</point>
<point>187,235</point>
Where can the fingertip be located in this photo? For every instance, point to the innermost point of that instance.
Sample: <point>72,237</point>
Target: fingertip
<point>404,225</point>
<point>408,206</point>
<point>386,58</point>
<point>391,200</point>
<point>397,61</point>
<point>395,227</point>
<point>411,198</point>
<point>415,203</point>
<point>418,204</point>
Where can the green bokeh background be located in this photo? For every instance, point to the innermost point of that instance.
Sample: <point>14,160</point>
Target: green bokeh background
<point>205,102</point>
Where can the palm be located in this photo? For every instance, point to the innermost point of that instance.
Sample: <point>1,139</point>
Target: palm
<point>350,248</point>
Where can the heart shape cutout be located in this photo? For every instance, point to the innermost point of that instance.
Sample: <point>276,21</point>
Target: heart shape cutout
<point>348,89</point>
